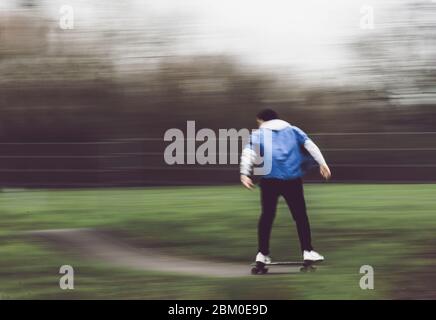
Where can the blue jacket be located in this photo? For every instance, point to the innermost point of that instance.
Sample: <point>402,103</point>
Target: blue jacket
<point>281,146</point>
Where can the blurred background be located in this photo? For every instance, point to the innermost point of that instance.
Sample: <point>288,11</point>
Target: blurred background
<point>85,108</point>
<point>89,106</point>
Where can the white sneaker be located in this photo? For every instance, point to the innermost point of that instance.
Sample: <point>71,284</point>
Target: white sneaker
<point>264,259</point>
<point>312,256</point>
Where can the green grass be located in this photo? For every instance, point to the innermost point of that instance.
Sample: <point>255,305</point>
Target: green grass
<point>390,227</point>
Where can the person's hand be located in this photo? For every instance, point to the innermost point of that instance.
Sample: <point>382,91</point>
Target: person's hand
<point>247,182</point>
<point>324,170</point>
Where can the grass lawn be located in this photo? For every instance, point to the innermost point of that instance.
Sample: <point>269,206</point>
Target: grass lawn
<point>390,227</point>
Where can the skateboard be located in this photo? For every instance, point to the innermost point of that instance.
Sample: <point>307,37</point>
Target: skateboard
<point>305,266</point>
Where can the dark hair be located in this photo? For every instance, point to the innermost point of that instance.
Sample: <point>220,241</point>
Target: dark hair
<point>267,114</point>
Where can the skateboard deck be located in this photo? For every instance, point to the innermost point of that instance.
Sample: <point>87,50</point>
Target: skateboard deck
<point>285,263</point>
<point>262,268</point>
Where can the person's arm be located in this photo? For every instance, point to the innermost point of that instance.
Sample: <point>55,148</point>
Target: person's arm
<point>248,158</point>
<point>314,151</point>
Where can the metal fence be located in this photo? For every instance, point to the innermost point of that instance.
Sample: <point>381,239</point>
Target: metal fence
<point>352,156</point>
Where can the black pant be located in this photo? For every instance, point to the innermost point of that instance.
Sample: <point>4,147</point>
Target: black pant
<point>292,191</point>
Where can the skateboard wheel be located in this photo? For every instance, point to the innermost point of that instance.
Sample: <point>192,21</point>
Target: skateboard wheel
<point>308,269</point>
<point>256,270</point>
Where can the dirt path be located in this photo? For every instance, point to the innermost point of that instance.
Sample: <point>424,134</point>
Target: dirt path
<point>98,246</point>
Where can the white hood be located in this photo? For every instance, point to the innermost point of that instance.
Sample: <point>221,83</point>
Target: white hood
<point>275,124</point>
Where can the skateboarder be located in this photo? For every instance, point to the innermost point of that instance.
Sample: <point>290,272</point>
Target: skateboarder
<point>288,147</point>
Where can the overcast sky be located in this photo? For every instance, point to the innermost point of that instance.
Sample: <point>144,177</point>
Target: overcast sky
<point>306,34</point>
